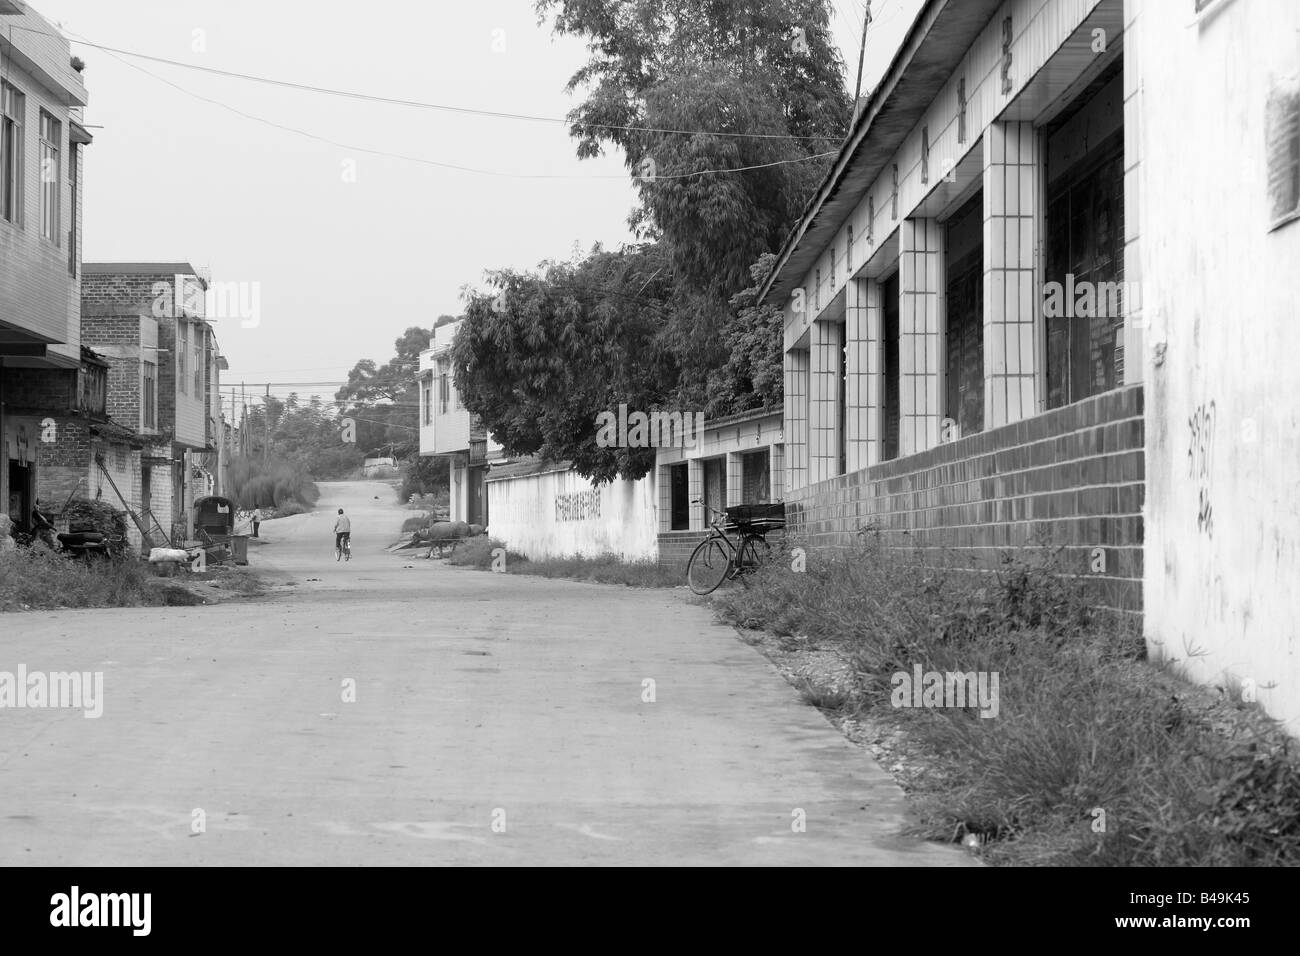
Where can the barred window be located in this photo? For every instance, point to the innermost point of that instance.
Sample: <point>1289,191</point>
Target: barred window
<point>150,397</point>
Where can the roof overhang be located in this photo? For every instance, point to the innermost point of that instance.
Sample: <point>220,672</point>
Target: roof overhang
<point>33,46</point>
<point>940,35</point>
<point>16,340</point>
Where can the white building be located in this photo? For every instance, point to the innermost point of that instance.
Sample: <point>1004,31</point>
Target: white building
<point>449,433</point>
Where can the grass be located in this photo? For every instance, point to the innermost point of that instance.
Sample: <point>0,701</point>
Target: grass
<point>31,578</point>
<point>606,569</point>
<point>1096,756</point>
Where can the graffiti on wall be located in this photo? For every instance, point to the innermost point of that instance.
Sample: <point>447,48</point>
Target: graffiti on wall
<point>579,506</point>
<point>1200,451</point>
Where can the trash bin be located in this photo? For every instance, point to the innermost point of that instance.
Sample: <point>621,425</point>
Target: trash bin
<point>239,548</point>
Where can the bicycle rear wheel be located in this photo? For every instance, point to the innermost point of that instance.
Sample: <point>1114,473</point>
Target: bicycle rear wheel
<point>754,553</point>
<point>708,567</point>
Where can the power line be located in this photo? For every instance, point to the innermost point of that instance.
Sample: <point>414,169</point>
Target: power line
<point>441,165</point>
<point>419,104</point>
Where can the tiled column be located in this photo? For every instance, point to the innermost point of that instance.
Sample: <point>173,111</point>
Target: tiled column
<point>920,333</point>
<point>826,344</point>
<point>1135,320</point>
<point>776,476</point>
<point>735,479</point>
<point>695,476</point>
<point>863,365</point>
<point>1012,212</point>
<point>664,489</point>
<point>796,418</point>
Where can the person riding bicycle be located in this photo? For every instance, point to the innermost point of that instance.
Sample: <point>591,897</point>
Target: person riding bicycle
<point>342,535</point>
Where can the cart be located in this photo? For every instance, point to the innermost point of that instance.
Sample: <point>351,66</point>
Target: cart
<point>214,525</point>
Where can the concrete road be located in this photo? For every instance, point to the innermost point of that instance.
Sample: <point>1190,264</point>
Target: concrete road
<point>497,719</point>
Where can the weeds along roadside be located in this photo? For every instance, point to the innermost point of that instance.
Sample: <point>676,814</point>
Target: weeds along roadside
<point>1096,755</point>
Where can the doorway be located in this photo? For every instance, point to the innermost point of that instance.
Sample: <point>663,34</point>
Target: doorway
<point>20,496</point>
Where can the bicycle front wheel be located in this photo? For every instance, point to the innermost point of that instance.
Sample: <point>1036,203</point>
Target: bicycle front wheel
<point>709,566</point>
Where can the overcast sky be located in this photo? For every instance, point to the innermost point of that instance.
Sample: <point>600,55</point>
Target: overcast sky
<point>344,266</point>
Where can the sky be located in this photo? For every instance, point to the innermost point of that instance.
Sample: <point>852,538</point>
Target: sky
<point>344,248</point>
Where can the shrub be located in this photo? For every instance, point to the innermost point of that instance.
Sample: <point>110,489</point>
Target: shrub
<point>38,578</point>
<point>84,514</point>
<point>258,484</point>
<point>416,523</point>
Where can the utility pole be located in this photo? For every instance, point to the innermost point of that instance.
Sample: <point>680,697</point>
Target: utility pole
<point>266,416</point>
<point>862,55</point>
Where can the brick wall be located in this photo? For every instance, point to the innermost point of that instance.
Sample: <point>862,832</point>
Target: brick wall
<point>179,408</point>
<point>38,391</point>
<point>675,549</point>
<point>1073,477</point>
<point>108,330</point>
<point>123,465</point>
<point>65,467</point>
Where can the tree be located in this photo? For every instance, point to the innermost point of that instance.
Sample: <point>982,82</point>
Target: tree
<point>752,84</point>
<point>753,374</point>
<point>765,80</point>
<point>538,360</point>
<point>384,400</point>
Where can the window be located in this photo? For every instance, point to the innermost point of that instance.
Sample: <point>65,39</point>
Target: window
<point>198,362</point>
<point>73,191</point>
<point>755,478</point>
<point>1085,252</point>
<point>964,334</point>
<point>961,112</point>
<point>11,153</point>
<point>149,398</point>
<point>1283,145</point>
<point>679,484</point>
<point>182,353</point>
<point>428,403</point>
<point>51,172</point>
<point>715,484</point>
<point>889,367</point>
<point>444,393</point>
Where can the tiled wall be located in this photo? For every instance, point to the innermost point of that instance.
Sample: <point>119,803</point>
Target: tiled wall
<point>1073,477</point>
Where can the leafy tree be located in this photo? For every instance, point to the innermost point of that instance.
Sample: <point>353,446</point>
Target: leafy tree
<point>384,399</point>
<point>724,110</point>
<point>754,85</point>
<point>540,359</point>
<point>753,374</point>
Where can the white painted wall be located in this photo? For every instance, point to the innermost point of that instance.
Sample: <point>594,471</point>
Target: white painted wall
<point>522,513</point>
<point>1219,289</point>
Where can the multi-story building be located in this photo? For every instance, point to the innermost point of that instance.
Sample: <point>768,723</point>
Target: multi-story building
<point>450,433</point>
<point>148,320</point>
<point>41,140</point>
<point>1052,269</point>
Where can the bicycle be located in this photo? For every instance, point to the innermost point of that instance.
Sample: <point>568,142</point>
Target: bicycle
<point>343,547</point>
<point>718,558</point>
